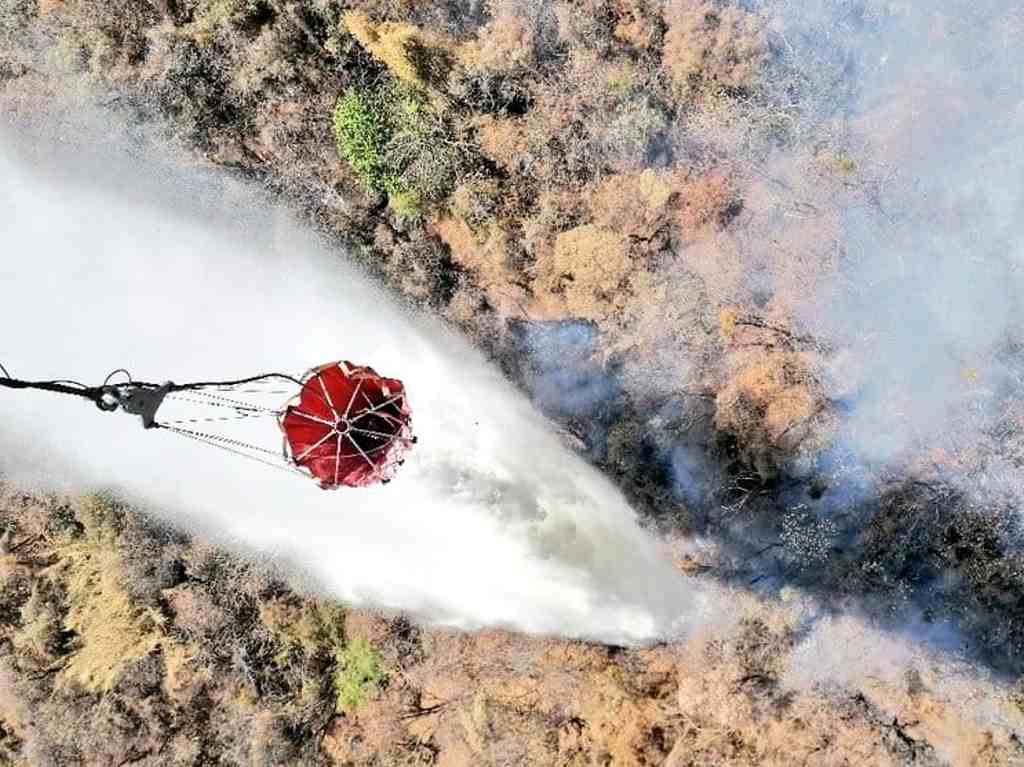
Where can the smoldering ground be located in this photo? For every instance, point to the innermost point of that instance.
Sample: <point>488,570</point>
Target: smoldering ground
<point>115,260</point>
<point>920,313</point>
<point>901,284</point>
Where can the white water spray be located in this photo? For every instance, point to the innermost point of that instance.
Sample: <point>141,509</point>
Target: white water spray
<point>110,262</point>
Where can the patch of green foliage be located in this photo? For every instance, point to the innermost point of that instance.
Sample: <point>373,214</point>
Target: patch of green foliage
<point>398,144</point>
<point>357,672</point>
<point>406,205</point>
<point>63,522</point>
<point>362,134</point>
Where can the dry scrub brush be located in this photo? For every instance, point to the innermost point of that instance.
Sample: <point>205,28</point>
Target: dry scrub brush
<point>126,641</point>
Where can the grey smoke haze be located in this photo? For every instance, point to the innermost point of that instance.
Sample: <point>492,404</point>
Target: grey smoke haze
<point>927,297</point>
<point>113,260</point>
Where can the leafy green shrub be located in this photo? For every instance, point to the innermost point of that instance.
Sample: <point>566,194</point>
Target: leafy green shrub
<point>406,205</point>
<point>362,136</point>
<point>63,522</point>
<point>397,144</point>
<point>358,671</point>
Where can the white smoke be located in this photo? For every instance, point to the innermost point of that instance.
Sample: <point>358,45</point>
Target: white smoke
<point>927,298</point>
<point>112,260</point>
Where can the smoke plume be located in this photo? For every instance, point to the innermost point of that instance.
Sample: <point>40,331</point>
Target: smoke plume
<point>113,259</point>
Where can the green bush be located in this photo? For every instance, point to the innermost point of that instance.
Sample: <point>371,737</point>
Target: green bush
<point>398,144</point>
<point>407,206</point>
<point>357,672</point>
<point>362,135</point>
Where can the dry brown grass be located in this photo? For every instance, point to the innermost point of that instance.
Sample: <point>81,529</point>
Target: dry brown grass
<point>112,630</point>
<point>721,698</point>
<point>41,622</point>
<point>486,255</point>
<point>737,694</point>
<point>413,55</point>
